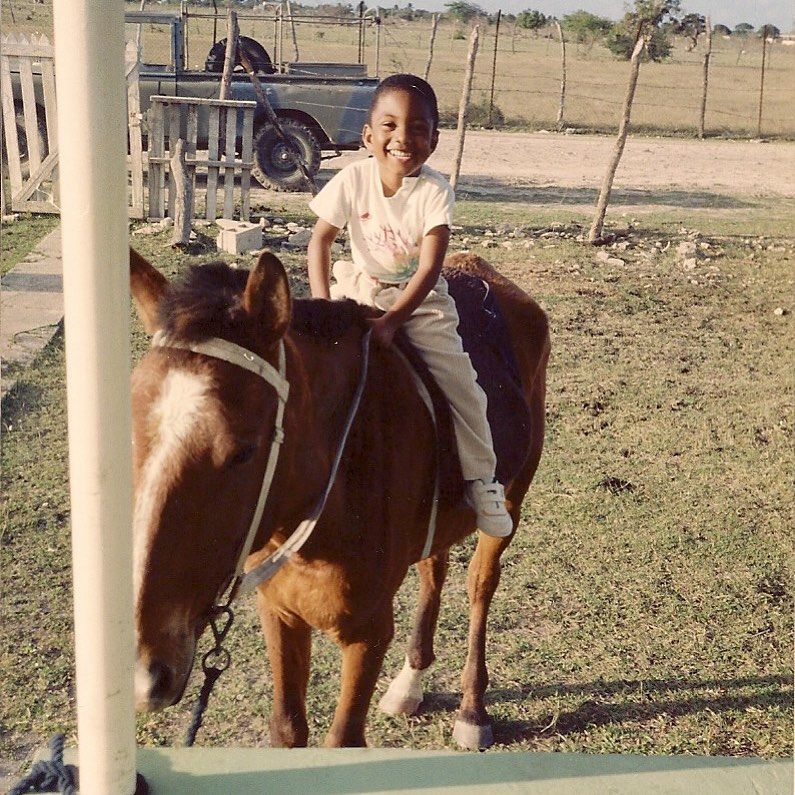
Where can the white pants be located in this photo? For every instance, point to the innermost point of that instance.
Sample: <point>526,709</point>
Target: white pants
<point>433,330</point>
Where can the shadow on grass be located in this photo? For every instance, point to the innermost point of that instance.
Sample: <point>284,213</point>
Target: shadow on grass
<point>620,702</point>
<point>26,393</point>
<point>486,190</point>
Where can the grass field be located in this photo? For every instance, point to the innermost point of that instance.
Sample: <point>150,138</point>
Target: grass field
<point>646,603</point>
<point>527,81</point>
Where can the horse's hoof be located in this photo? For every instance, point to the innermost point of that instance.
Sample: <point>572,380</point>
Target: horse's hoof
<point>399,703</point>
<point>404,694</point>
<point>471,736</point>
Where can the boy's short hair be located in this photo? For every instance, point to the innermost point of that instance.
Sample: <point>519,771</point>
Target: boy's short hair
<point>413,85</point>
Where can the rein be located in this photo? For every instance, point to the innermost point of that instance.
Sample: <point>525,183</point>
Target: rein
<point>220,615</point>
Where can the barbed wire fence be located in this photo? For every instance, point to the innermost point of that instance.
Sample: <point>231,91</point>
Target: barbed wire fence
<point>519,85</point>
<point>526,76</point>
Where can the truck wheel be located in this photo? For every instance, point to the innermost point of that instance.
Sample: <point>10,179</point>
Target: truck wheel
<point>257,55</point>
<point>275,163</point>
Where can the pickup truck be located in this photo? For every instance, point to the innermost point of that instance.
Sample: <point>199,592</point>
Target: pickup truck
<point>321,106</point>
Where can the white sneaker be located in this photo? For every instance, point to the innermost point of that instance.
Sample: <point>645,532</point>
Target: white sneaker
<point>488,501</point>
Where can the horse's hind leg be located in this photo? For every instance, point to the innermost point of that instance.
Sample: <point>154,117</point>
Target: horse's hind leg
<point>473,727</point>
<point>289,650</point>
<point>405,695</point>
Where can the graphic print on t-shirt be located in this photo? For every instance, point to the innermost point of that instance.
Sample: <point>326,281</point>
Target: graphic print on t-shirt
<point>394,250</point>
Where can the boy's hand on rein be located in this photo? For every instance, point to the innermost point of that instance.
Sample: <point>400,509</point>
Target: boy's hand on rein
<point>384,329</point>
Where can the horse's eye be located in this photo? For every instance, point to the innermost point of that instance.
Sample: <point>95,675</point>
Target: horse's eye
<point>244,454</point>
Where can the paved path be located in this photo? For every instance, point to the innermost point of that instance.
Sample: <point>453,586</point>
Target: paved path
<point>31,306</point>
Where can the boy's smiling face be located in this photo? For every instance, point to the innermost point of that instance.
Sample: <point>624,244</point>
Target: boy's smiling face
<point>401,136</point>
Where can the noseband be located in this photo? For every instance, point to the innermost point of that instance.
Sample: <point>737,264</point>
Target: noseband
<point>241,581</point>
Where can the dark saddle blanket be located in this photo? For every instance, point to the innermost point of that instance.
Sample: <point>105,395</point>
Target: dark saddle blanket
<point>485,337</point>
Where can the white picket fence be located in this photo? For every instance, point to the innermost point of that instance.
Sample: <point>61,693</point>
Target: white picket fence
<point>30,145</point>
<point>30,112</point>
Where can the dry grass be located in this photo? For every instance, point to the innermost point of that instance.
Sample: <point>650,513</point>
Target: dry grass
<point>528,73</point>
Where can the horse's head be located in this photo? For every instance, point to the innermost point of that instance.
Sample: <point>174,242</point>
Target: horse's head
<point>202,431</point>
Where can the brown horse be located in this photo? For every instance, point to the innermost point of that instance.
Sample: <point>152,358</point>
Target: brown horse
<point>202,436</point>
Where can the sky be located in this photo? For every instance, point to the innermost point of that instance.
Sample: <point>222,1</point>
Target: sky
<point>780,13</point>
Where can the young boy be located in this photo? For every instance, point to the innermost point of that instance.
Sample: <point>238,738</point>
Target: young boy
<point>398,212</point>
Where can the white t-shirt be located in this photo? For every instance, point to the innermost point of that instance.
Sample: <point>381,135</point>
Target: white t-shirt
<point>385,232</point>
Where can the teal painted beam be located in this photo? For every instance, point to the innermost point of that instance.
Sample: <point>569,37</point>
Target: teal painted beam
<point>353,771</point>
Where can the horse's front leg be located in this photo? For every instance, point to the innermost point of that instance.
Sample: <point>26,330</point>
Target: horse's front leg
<point>289,651</point>
<point>362,658</point>
<point>405,693</point>
<point>473,727</point>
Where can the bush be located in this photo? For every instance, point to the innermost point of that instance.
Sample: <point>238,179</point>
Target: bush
<point>477,115</point>
<point>531,20</point>
<point>585,27</point>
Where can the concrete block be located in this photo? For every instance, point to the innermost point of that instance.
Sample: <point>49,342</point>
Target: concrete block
<point>238,236</point>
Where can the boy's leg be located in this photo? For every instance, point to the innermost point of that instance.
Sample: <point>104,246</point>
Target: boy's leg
<point>433,328</point>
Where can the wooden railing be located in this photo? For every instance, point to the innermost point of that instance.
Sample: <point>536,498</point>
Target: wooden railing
<point>175,118</point>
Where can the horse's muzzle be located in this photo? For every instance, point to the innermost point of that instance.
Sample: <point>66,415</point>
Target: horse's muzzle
<point>156,686</point>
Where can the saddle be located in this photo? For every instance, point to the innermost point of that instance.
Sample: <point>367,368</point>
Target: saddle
<point>485,338</point>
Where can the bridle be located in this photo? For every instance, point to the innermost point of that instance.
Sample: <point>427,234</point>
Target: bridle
<point>241,582</point>
<point>219,616</point>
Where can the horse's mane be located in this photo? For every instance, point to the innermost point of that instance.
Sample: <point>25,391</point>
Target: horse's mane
<point>208,302</point>
<point>327,320</point>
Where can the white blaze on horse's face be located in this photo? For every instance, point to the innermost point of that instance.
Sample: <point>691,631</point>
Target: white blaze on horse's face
<point>174,416</point>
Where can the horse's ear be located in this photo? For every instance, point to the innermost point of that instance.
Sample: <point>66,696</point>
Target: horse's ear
<point>267,299</point>
<point>147,286</point>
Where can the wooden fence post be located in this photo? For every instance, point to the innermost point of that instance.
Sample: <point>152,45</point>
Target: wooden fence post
<point>434,25</point>
<point>489,124</point>
<point>183,203</point>
<point>462,108</point>
<point>562,76</point>
<point>762,83</point>
<point>707,55</point>
<point>595,232</point>
<point>132,66</point>
<point>229,54</point>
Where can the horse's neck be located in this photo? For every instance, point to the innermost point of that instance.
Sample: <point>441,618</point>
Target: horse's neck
<point>331,372</point>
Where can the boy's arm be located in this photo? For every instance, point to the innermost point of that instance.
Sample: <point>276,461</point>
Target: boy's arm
<point>432,253</point>
<point>319,258</point>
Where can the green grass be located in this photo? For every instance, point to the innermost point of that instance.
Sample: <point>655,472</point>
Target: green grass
<point>18,238</point>
<point>654,619</point>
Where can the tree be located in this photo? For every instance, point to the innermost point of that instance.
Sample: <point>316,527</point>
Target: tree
<point>769,32</point>
<point>743,29</point>
<point>647,20</point>
<point>691,26</point>
<point>586,28</point>
<point>463,11</point>
<point>621,42</point>
<point>531,20</point>
<point>721,30</point>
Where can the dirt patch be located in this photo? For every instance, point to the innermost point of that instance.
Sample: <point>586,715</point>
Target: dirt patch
<point>652,170</point>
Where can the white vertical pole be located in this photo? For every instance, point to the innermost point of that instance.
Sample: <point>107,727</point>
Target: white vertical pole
<point>89,58</point>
